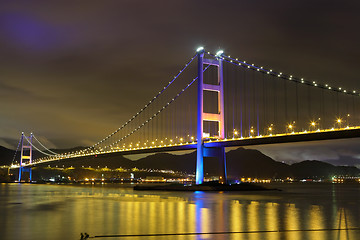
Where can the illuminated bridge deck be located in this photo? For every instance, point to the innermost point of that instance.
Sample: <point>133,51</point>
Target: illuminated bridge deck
<point>329,134</point>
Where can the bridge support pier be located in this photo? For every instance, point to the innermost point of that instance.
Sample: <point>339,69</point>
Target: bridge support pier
<point>219,153</point>
<point>25,169</point>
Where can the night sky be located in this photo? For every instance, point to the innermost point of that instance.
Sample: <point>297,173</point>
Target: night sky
<point>74,72</point>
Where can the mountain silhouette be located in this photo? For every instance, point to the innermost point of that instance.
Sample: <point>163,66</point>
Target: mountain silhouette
<point>240,162</point>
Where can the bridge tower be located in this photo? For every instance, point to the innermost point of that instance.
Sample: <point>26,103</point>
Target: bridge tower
<point>218,117</point>
<point>26,155</point>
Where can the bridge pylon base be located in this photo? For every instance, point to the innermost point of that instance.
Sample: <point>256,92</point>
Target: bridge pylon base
<point>219,153</point>
<point>23,170</point>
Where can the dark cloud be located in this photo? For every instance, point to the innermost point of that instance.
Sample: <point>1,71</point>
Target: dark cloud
<point>8,91</point>
<point>337,152</point>
<point>69,67</point>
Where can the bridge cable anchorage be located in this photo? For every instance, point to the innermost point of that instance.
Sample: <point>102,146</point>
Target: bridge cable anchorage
<point>284,76</point>
<point>146,106</point>
<point>44,146</point>
<point>157,113</point>
<point>51,155</point>
<point>17,149</point>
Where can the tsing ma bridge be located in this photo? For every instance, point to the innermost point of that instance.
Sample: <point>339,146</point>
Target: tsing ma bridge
<point>221,102</point>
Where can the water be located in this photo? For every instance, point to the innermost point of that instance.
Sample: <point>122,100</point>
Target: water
<point>64,211</point>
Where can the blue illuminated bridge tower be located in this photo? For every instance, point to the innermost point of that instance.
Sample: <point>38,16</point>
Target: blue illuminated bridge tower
<point>25,155</point>
<point>217,117</point>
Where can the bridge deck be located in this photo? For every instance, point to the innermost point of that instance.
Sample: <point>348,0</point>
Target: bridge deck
<point>235,142</point>
<point>288,138</point>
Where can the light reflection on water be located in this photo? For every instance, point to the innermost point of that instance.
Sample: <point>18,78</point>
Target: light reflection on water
<point>63,212</point>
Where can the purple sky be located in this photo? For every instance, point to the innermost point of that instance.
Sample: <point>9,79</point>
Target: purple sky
<point>71,72</point>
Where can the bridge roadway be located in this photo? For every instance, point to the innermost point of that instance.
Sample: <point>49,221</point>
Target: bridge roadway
<point>329,134</point>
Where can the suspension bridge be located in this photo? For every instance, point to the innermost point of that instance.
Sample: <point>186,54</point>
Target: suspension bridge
<point>220,102</point>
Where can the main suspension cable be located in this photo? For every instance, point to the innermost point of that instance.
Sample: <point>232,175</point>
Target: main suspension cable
<point>17,149</point>
<point>44,146</point>
<point>146,106</point>
<point>51,155</point>
<point>157,113</point>
<point>284,76</point>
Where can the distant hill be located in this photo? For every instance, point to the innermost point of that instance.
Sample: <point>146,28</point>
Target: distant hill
<point>252,163</point>
<point>183,163</point>
<point>6,156</point>
<point>310,169</point>
<point>240,162</point>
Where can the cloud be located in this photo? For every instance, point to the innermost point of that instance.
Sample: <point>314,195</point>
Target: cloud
<point>7,90</point>
<point>8,143</point>
<point>42,142</point>
<point>328,150</point>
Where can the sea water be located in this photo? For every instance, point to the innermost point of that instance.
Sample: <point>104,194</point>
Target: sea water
<point>300,211</point>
